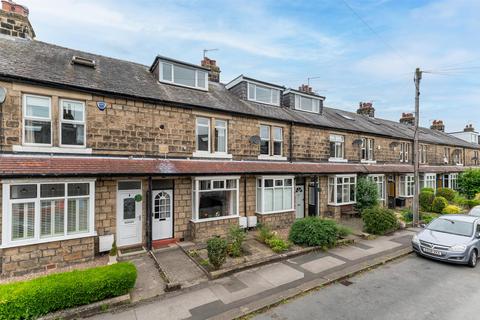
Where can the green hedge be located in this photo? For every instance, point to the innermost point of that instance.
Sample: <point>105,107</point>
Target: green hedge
<point>314,231</point>
<point>379,220</point>
<point>37,297</point>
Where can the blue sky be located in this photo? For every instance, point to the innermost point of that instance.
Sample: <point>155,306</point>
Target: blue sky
<point>285,42</point>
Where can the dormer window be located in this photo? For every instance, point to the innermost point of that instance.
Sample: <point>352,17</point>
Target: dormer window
<point>263,94</point>
<point>308,104</point>
<point>183,76</point>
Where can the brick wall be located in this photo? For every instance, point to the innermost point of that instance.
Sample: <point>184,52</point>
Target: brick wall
<point>39,257</point>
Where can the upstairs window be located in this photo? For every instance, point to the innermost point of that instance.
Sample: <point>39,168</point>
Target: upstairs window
<point>37,120</point>
<point>422,154</point>
<point>307,104</point>
<point>404,152</point>
<point>263,94</point>
<point>337,147</point>
<point>72,123</point>
<point>458,156</point>
<point>183,76</point>
<point>475,157</point>
<point>204,141</point>
<point>367,149</point>
<point>446,155</point>
<point>271,140</point>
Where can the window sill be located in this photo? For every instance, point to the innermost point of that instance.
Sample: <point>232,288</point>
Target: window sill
<point>214,219</point>
<point>274,212</point>
<point>48,149</point>
<point>203,154</point>
<point>267,157</point>
<point>341,204</point>
<point>368,161</point>
<point>337,160</point>
<point>459,164</point>
<point>405,196</point>
<point>29,242</point>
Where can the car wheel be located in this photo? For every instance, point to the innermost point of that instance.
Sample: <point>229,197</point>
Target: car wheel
<point>472,261</point>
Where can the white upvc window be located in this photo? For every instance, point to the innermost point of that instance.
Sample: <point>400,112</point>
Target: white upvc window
<point>208,143</point>
<point>38,212</point>
<point>203,134</point>
<point>275,194</point>
<point>72,123</point>
<point>446,155</point>
<point>475,157</point>
<point>422,153</point>
<point>221,136</point>
<point>307,104</point>
<point>407,185</point>
<point>428,180</point>
<point>271,140</point>
<point>337,147</point>
<point>458,156</point>
<point>215,198</point>
<point>379,180</point>
<point>37,120</point>
<point>368,149</point>
<point>183,75</point>
<point>263,94</point>
<point>342,189</point>
<point>450,181</point>
<point>404,152</point>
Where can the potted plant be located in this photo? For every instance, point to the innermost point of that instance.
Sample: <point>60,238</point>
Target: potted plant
<point>112,256</point>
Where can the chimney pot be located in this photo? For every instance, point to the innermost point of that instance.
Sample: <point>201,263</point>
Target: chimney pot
<point>407,118</point>
<point>366,109</point>
<point>438,125</point>
<point>305,88</point>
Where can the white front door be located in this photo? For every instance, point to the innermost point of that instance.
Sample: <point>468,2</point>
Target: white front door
<point>129,218</point>
<point>162,220</point>
<point>300,201</point>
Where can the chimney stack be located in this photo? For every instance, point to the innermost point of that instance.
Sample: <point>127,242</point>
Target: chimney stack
<point>214,74</point>
<point>305,88</point>
<point>407,118</point>
<point>366,109</point>
<point>438,125</point>
<point>469,128</point>
<point>14,20</point>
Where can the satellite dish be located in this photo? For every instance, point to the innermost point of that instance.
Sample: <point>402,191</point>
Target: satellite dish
<point>3,94</point>
<point>255,140</point>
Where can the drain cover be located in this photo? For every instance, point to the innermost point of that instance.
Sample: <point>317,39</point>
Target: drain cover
<point>346,283</point>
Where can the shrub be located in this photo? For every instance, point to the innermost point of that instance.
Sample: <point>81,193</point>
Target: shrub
<point>379,220</point>
<point>469,183</point>
<point>426,199</point>
<point>265,233</point>
<point>235,239</point>
<point>367,194</point>
<point>407,215</point>
<point>278,244</point>
<point>37,297</point>
<point>460,200</point>
<point>113,251</point>
<point>217,251</point>
<point>428,190</point>
<point>447,193</point>
<point>451,209</point>
<point>343,231</point>
<point>439,203</point>
<point>313,231</point>
<point>470,203</point>
<point>427,218</point>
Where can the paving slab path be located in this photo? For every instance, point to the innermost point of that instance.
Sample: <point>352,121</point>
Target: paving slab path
<point>229,297</point>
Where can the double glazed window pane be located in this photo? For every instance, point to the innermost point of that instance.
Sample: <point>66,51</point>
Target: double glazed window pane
<point>203,134</point>
<point>263,94</point>
<point>52,190</point>
<point>77,217</point>
<point>220,136</point>
<point>37,107</point>
<point>38,132</point>
<point>167,72</point>
<point>52,217</point>
<point>184,76</point>
<point>265,140</point>
<point>37,123</point>
<point>23,220</point>
<point>23,191</point>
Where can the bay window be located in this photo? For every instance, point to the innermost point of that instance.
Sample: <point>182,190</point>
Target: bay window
<point>379,180</point>
<point>263,94</point>
<point>72,121</point>
<point>337,147</point>
<point>47,211</point>
<point>274,194</point>
<point>215,197</point>
<point>271,140</point>
<point>367,149</point>
<point>341,189</point>
<point>37,120</point>
<point>407,185</point>
<point>428,180</point>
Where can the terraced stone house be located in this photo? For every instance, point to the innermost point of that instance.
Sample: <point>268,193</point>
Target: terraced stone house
<point>94,149</point>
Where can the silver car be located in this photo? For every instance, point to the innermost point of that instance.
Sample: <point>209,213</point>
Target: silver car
<point>475,211</point>
<point>453,238</point>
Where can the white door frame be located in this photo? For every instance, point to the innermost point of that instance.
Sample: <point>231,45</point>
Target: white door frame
<point>138,218</point>
<point>162,229</point>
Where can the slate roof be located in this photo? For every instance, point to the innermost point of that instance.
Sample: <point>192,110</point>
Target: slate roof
<point>56,166</point>
<point>32,60</point>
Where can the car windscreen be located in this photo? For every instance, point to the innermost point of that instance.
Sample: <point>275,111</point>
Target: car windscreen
<point>461,228</point>
<point>475,212</point>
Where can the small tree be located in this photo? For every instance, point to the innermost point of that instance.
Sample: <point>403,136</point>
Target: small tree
<point>469,183</point>
<point>367,194</point>
<point>217,251</point>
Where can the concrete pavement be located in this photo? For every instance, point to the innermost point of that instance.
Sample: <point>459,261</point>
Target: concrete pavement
<point>251,289</point>
<point>409,288</point>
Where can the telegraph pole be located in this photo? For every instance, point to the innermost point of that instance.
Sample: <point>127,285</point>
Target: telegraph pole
<point>416,162</point>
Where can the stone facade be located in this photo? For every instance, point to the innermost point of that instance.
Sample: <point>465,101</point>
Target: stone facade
<point>14,21</point>
<point>40,257</point>
<point>276,220</point>
<point>201,231</point>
